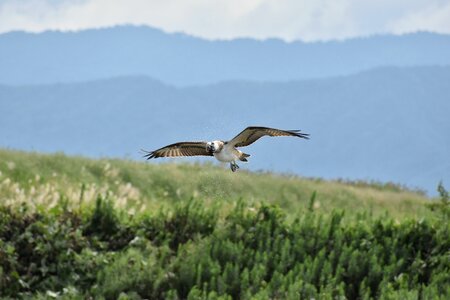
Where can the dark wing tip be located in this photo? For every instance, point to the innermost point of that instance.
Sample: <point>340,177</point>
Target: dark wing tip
<point>148,154</point>
<point>304,136</point>
<point>300,134</point>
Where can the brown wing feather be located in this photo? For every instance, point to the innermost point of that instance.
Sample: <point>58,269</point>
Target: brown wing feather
<point>251,134</point>
<point>180,149</point>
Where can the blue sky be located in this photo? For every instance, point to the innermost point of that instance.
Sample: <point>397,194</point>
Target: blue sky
<point>224,19</point>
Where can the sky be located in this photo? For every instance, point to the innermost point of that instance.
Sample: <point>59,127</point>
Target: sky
<point>307,20</point>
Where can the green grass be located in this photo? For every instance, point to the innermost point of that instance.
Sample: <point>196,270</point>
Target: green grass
<point>43,179</point>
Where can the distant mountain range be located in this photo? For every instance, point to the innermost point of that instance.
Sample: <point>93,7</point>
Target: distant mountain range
<point>388,124</point>
<point>183,60</point>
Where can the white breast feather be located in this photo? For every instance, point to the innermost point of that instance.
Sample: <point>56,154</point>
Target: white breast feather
<point>226,155</point>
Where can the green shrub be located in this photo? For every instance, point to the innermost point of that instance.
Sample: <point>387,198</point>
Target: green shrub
<point>189,252</point>
<point>443,206</point>
<point>104,224</point>
<point>181,224</point>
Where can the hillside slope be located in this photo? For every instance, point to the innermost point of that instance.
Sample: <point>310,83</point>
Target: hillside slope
<point>43,180</point>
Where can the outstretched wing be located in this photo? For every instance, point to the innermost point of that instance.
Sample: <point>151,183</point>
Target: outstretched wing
<point>180,149</point>
<point>251,134</point>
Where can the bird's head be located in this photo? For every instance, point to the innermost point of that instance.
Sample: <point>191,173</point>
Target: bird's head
<point>214,146</point>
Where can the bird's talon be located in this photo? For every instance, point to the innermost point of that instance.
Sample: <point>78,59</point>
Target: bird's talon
<point>234,167</point>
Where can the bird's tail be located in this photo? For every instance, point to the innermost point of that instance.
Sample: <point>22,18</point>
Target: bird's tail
<point>243,156</point>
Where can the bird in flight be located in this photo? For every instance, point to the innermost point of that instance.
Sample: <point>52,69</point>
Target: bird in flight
<point>224,151</point>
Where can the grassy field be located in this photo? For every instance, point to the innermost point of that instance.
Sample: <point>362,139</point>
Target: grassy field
<point>77,228</point>
<point>44,179</point>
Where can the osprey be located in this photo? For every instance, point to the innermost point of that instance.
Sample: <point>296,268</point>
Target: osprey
<point>224,151</point>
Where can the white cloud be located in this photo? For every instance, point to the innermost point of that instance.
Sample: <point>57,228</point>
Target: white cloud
<point>287,19</point>
<point>435,17</point>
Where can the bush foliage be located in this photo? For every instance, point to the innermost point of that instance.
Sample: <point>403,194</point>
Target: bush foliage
<point>192,252</point>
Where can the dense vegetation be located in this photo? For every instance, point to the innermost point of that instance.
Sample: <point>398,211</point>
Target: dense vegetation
<point>57,243</point>
<point>189,252</point>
